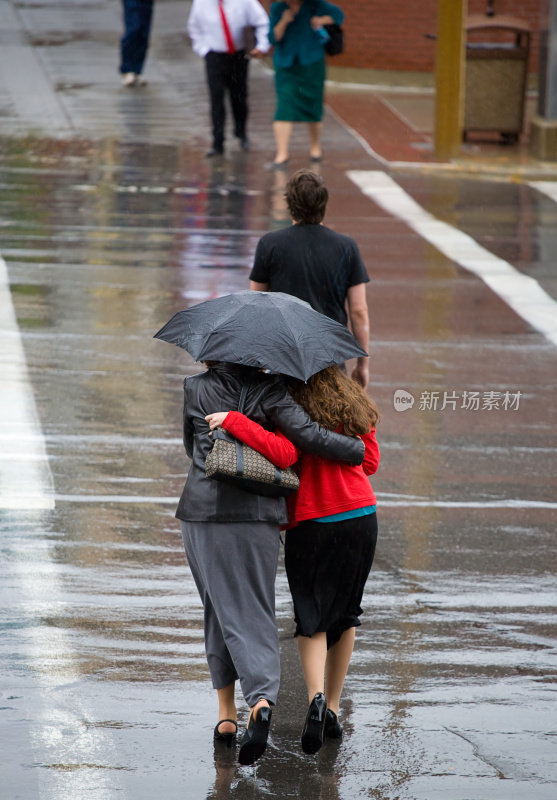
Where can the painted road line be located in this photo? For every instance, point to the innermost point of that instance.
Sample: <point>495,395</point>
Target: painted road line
<point>25,476</point>
<point>57,734</point>
<point>73,760</point>
<point>360,139</point>
<point>548,188</point>
<point>521,292</point>
<point>398,502</point>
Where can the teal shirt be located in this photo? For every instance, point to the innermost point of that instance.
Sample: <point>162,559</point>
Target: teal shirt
<point>300,42</point>
<point>355,512</point>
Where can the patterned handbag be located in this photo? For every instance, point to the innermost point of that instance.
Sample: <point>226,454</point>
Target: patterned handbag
<point>232,461</point>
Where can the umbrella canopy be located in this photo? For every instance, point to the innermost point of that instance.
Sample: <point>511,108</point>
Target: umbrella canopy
<point>268,330</point>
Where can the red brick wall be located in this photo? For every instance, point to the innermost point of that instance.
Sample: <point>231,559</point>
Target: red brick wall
<point>391,34</point>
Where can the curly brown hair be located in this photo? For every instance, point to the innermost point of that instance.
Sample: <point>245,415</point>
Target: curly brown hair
<point>333,399</point>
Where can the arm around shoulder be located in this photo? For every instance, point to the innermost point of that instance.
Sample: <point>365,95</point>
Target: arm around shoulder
<point>274,446</point>
<point>308,436</point>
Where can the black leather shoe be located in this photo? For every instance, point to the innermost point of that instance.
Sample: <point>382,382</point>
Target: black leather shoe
<point>225,738</point>
<point>312,734</point>
<point>333,729</point>
<point>244,144</point>
<point>254,740</point>
<point>214,151</point>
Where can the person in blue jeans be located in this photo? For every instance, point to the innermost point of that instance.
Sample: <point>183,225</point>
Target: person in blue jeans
<point>135,41</point>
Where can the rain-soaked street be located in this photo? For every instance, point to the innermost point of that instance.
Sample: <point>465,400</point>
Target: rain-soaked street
<point>111,220</point>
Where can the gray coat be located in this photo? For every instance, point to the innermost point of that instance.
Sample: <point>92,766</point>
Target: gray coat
<point>268,403</point>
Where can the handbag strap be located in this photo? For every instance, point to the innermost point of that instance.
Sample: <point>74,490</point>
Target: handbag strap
<point>239,448</point>
<point>242,400</point>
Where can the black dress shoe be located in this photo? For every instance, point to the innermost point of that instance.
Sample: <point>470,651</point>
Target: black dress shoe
<point>225,738</point>
<point>333,729</point>
<point>254,740</point>
<point>312,734</point>
<point>214,151</point>
<point>244,144</point>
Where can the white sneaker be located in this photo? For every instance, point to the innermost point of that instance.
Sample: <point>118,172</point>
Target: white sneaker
<point>129,79</point>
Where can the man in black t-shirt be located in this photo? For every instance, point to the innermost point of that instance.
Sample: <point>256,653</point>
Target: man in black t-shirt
<point>316,264</point>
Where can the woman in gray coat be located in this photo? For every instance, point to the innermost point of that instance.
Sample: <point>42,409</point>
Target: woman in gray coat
<point>231,538</point>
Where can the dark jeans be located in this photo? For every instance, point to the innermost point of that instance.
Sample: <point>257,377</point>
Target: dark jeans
<point>135,41</point>
<point>227,72</point>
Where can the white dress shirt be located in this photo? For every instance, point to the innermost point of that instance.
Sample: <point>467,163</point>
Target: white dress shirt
<point>205,25</point>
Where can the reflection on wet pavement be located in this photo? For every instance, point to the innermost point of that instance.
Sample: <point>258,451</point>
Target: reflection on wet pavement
<point>104,687</point>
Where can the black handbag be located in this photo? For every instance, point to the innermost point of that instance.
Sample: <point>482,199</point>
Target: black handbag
<point>234,462</point>
<point>335,43</point>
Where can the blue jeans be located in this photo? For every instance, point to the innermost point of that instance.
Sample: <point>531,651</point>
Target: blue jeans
<point>135,41</point>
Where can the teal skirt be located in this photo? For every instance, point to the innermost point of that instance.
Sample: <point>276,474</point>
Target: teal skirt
<point>300,92</point>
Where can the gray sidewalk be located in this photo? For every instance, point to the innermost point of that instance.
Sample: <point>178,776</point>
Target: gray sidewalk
<point>59,78</point>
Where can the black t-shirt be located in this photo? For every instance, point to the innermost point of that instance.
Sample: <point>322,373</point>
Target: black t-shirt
<point>311,262</point>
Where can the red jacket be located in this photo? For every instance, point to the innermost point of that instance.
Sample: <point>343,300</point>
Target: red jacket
<point>326,487</point>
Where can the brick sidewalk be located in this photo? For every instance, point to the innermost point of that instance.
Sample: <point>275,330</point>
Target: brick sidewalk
<point>397,123</point>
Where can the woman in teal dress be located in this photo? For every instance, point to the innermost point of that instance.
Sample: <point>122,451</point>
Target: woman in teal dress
<point>298,35</point>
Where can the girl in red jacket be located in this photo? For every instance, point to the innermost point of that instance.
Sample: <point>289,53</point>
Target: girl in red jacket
<point>331,536</point>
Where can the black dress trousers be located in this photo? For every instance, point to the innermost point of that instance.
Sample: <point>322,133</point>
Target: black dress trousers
<point>227,72</point>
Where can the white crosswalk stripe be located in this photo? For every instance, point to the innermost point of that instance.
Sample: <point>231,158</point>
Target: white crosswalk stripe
<point>521,292</point>
<point>548,188</point>
<point>25,476</point>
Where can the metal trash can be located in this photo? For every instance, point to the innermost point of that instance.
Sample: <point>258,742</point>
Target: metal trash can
<point>497,50</point>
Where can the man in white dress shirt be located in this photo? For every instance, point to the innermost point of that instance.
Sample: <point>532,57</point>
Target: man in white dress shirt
<point>217,29</point>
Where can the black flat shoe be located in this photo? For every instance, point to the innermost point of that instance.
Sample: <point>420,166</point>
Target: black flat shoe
<point>225,738</point>
<point>333,729</point>
<point>214,151</point>
<point>312,734</point>
<point>254,740</point>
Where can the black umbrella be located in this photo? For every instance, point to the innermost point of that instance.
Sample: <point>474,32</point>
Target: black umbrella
<point>268,330</point>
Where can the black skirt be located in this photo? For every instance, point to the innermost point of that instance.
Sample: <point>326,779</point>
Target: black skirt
<point>327,565</point>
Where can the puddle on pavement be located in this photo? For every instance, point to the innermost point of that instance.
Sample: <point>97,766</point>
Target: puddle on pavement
<point>103,627</point>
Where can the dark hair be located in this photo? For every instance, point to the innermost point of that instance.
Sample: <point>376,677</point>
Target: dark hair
<point>306,197</point>
<point>334,400</point>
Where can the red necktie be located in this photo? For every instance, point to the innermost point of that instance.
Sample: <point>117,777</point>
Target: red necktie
<point>227,34</point>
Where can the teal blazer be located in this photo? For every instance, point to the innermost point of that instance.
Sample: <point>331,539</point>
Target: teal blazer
<point>300,42</point>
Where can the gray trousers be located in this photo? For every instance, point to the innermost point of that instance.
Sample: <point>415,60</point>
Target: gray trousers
<point>234,566</point>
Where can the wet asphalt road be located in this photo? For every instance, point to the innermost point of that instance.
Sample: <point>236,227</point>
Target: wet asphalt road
<point>111,220</point>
